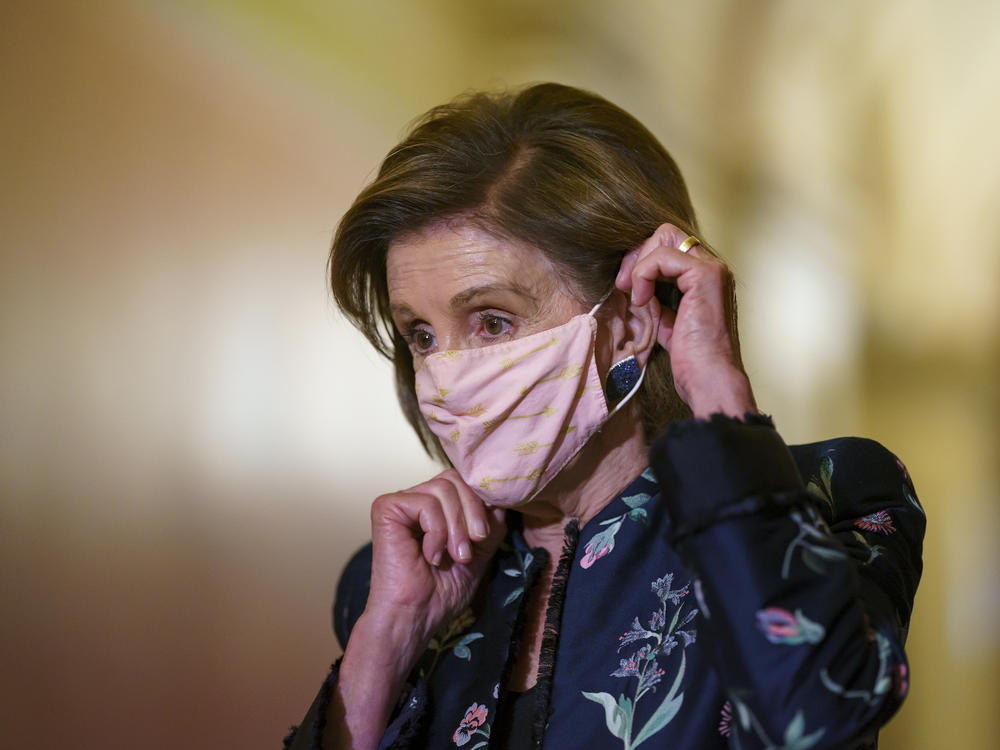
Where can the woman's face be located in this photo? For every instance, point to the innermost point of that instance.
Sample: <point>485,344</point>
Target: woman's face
<point>454,286</point>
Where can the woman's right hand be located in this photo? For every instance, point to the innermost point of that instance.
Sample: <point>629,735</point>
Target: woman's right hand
<point>431,545</point>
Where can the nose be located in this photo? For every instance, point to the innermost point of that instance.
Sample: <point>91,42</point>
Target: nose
<point>449,343</point>
<point>451,335</point>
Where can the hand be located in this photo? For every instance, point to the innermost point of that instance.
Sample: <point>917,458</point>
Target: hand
<point>431,545</point>
<point>701,336</point>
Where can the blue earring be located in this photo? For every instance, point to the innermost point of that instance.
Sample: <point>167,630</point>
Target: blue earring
<point>622,378</point>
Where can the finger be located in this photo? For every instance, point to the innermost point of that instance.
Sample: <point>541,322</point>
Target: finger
<point>666,329</point>
<point>666,235</point>
<point>434,524</point>
<point>451,504</point>
<point>476,521</point>
<point>410,517</point>
<point>498,530</point>
<point>624,279</point>
<point>663,236</point>
<point>661,264</point>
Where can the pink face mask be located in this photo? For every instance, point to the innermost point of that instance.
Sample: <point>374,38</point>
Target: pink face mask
<point>510,416</point>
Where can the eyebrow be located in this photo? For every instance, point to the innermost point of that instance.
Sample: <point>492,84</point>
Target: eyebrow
<point>468,295</point>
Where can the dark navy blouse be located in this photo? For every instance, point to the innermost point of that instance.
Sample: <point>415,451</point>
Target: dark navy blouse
<point>740,593</point>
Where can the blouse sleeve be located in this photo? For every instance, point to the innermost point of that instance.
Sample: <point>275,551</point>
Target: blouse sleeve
<point>349,604</point>
<point>806,564</point>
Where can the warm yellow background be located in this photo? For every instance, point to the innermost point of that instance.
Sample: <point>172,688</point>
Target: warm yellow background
<point>190,437</point>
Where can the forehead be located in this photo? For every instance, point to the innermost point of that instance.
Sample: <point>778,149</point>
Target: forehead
<point>447,258</point>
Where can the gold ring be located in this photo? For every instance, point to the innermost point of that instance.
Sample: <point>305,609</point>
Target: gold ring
<point>690,242</point>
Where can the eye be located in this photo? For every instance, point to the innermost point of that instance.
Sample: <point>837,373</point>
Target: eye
<point>494,325</point>
<point>420,340</point>
<point>423,340</point>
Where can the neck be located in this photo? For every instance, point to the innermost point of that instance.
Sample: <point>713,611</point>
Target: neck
<point>608,462</point>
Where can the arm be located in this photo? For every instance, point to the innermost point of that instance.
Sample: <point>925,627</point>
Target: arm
<point>430,547</point>
<point>806,625</point>
<point>806,622</point>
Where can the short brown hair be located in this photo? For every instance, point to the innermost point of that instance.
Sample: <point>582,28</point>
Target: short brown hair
<point>553,167</point>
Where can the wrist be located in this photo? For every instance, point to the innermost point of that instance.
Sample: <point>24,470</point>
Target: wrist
<point>379,656</point>
<point>391,640</point>
<point>725,392</point>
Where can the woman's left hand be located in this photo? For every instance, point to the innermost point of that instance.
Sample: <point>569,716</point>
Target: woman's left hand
<point>701,336</point>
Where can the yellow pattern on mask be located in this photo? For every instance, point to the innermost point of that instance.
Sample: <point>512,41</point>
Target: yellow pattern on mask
<point>508,363</point>
<point>530,447</point>
<point>532,475</point>
<point>566,373</point>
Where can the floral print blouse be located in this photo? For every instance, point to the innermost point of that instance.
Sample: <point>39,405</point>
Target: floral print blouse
<point>740,593</point>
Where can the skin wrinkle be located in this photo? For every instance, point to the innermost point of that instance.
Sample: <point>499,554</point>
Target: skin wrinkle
<point>516,281</point>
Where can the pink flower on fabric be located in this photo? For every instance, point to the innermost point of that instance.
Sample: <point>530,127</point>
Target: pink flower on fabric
<point>601,544</point>
<point>879,522</point>
<point>726,719</point>
<point>475,717</point>
<point>902,683</point>
<point>595,550</point>
<point>781,626</point>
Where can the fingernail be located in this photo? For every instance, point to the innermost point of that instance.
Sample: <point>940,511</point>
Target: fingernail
<point>464,553</point>
<point>436,562</point>
<point>479,530</point>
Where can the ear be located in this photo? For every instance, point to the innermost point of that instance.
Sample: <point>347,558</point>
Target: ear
<point>632,328</point>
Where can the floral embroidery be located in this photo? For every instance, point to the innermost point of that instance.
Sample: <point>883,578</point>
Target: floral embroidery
<point>524,562</point>
<point>879,522</point>
<point>902,683</point>
<point>883,680</point>
<point>821,487</point>
<point>874,550</point>
<point>726,719</point>
<point>661,639</point>
<point>474,723</point>
<point>781,626</point>
<point>451,637</point>
<point>814,539</point>
<point>793,739</point>
<point>601,544</point>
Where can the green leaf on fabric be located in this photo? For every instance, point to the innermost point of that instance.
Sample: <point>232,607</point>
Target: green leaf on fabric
<point>663,715</point>
<point>639,515</point>
<point>826,471</point>
<point>614,714</point>
<point>794,739</point>
<point>634,501</point>
<point>512,596</point>
<point>795,728</point>
<point>469,638</point>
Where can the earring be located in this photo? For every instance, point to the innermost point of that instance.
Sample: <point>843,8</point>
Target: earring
<point>622,378</point>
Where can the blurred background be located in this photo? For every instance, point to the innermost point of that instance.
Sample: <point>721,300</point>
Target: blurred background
<point>191,436</point>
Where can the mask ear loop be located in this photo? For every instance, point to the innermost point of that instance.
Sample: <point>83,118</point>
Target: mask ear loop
<point>600,302</point>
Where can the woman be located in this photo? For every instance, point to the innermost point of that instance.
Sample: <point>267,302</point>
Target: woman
<point>624,549</point>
